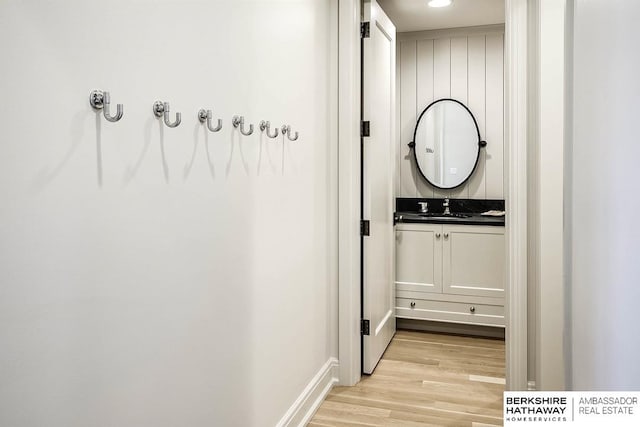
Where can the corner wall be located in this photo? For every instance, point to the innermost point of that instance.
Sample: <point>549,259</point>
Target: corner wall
<point>154,276</point>
<point>605,237</point>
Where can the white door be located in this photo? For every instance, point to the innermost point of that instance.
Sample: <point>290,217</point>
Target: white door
<point>379,50</point>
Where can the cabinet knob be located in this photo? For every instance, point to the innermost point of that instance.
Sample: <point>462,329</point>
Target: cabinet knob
<point>472,309</point>
<point>446,235</point>
<point>413,304</point>
<point>437,235</point>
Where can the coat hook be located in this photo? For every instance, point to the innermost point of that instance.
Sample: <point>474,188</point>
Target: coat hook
<point>161,109</point>
<point>100,100</point>
<point>286,130</point>
<point>238,121</point>
<point>206,116</point>
<point>267,126</point>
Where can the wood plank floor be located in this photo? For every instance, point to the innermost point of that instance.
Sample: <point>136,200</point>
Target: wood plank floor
<point>424,379</point>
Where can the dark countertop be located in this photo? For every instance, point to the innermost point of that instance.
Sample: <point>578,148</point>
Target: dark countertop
<point>469,219</point>
<point>465,211</point>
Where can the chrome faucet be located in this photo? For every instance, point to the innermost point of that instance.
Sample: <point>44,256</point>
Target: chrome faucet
<point>424,207</point>
<point>445,205</point>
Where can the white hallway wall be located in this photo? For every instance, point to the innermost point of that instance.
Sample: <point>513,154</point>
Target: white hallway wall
<point>466,64</point>
<point>153,276</point>
<point>605,237</point>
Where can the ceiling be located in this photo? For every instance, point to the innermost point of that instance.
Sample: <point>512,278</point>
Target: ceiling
<point>415,15</point>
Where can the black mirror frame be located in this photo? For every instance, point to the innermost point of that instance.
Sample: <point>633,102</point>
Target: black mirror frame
<point>481,144</point>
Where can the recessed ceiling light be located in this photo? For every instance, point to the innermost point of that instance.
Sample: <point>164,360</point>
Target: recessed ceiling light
<point>439,3</point>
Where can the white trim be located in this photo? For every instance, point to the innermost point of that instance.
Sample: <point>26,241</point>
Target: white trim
<point>302,410</point>
<point>516,52</point>
<point>451,32</point>
<point>516,68</point>
<point>349,191</point>
<point>551,108</point>
<point>533,255</point>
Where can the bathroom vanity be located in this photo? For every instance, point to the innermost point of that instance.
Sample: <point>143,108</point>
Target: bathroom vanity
<point>450,254</point>
<point>450,268</point>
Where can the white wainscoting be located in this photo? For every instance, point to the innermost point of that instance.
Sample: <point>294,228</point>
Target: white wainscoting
<point>466,64</point>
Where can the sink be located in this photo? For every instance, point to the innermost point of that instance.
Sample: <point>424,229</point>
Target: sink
<point>431,215</point>
<point>442,216</point>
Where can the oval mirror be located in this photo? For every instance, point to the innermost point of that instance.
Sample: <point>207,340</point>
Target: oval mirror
<point>446,143</point>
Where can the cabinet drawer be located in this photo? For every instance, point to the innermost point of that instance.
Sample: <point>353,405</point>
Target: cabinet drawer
<point>448,311</point>
<point>417,287</point>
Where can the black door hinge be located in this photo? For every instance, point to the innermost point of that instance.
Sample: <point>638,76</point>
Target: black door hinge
<point>364,227</point>
<point>365,31</point>
<point>365,128</point>
<point>364,327</point>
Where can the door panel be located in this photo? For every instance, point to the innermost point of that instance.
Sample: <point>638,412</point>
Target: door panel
<point>473,261</point>
<point>377,184</point>
<point>419,259</point>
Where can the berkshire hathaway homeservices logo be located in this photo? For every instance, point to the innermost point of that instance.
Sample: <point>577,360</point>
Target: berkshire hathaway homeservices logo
<point>536,408</point>
<point>577,408</point>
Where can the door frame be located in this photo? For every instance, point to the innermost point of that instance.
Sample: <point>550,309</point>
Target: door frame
<point>516,127</point>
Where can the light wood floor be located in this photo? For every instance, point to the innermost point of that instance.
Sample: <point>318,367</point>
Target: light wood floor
<point>424,380</point>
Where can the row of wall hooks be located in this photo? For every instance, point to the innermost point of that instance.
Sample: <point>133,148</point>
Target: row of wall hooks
<point>101,100</point>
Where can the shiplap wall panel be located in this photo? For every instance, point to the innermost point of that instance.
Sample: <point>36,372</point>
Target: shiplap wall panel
<point>408,171</point>
<point>494,175</point>
<point>425,96</point>
<point>477,104</point>
<point>441,82</point>
<point>466,68</point>
<point>459,89</point>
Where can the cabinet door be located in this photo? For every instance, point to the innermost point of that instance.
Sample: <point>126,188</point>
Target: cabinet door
<point>419,258</point>
<point>473,260</point>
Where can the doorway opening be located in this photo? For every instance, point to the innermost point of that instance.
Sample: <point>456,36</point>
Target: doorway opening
<point>477,61</point>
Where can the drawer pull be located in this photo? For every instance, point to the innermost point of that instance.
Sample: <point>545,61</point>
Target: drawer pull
<point>472,309</point>
<point>413,304</point>
<point>437,235</point>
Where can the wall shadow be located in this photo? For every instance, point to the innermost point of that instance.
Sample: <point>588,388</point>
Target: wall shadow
<point>243,160</point>
<point>189,165</point>
<point>165,165</point>
<point>98,151</point>
<point>48,174</point>
<point>131,171</point>
<point>212,167</point>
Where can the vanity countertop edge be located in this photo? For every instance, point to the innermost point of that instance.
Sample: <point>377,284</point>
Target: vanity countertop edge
<point>414,218</point>
<point>407,211</point>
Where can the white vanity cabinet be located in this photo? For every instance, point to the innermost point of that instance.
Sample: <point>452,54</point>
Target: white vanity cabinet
<point>450,273</point>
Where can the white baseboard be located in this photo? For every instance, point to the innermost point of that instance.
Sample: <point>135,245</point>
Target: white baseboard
<point>531,385</point>
<point>300,413</point>
<point>450,328</point>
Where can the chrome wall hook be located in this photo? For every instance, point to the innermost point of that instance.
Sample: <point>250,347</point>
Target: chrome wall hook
<point>100,100</point>
<point>286,130</point>
<point>161,109</point>
<point>266,126</point>
<point>206,116</point>
<point>238,121</point>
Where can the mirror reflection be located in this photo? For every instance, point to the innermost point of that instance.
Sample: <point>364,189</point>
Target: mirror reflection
<point>446,143</point>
